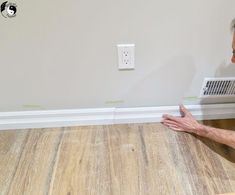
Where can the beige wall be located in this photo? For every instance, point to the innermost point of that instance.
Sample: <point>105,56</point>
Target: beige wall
<point>62,54</point>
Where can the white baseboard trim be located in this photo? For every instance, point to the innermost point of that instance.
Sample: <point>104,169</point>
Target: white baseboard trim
<point>104,116</point>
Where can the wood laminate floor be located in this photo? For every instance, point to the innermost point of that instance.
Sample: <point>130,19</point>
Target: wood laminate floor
<point>136,159</point>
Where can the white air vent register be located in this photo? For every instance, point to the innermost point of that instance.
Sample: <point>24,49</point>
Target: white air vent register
<point>218,87</point>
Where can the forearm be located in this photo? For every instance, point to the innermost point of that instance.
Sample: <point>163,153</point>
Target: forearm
<point>223,136</point>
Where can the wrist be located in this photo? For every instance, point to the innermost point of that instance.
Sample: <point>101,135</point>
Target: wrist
<point>201,130</point>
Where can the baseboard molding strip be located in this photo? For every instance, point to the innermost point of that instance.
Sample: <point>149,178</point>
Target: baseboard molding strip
<point>104,116</point>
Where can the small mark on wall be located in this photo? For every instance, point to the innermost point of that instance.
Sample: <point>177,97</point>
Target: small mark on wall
<point>114,102</point>
<point>32,106</point>
<point>191,98</point>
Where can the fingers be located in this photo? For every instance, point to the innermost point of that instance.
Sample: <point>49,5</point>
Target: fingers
<point>170,117</point>
<point>184,111</point>
<point>173,126</point>
<point>169,122</point>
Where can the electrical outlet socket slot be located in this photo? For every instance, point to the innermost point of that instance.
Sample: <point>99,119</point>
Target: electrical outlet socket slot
<point>126,56</point>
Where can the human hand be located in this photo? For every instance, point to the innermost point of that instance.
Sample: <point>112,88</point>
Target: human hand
<point>185,123</point>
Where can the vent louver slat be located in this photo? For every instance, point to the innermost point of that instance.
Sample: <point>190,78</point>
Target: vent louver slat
<point>222,88</point>
<point>230,87</point>
<point>232,92</point>
<point>216,88</point>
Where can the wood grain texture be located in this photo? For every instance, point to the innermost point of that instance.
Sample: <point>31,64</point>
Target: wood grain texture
<point>145,159</point>
<point>228,194</point>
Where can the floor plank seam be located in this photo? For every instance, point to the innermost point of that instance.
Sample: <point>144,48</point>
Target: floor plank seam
<point>51,174</point>
<point>25,141</point>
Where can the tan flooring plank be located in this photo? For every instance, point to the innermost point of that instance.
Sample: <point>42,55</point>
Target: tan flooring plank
<point>11,147</point>
<point>34,166</point>
<point>83,162</point>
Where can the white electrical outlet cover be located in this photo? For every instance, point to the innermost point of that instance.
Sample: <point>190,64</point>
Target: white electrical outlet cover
<point>126,56</point>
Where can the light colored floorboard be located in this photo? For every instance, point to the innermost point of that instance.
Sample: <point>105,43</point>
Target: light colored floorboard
<point>144,159</point>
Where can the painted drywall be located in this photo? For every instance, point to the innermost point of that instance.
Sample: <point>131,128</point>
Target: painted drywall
<point>62,54</point>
